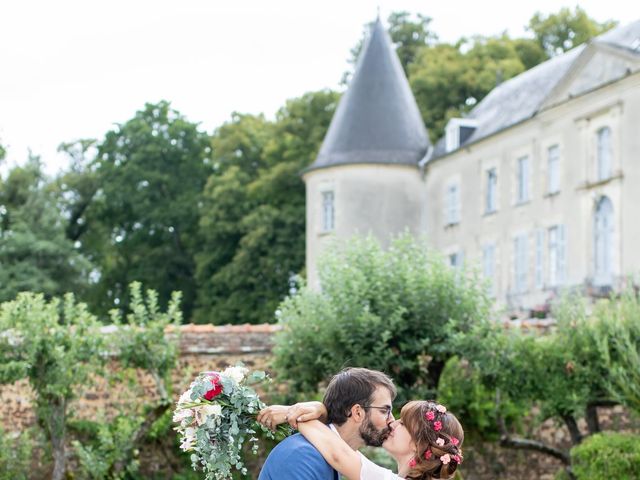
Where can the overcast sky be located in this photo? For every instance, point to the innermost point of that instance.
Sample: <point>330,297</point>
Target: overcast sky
<point>71,69</point>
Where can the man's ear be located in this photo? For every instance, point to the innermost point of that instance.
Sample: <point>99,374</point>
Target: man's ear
<point>357,413</point>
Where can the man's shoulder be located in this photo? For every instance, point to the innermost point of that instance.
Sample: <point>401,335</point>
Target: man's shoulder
<point>295,457</point>
<point>298,444</point>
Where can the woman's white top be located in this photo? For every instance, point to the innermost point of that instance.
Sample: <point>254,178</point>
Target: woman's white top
<point>371,471</point>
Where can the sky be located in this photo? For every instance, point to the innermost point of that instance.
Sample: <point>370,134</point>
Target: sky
<point>72,69</point>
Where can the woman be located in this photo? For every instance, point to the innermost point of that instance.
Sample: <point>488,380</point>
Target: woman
<point>426,442</point>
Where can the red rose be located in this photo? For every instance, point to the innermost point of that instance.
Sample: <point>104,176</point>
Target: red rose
<point>217,387</point>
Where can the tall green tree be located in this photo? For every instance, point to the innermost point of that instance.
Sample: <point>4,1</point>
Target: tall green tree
<point>253,216</point>
<point>558,32</point>
<point>35,253</point>
<point>150,172</point>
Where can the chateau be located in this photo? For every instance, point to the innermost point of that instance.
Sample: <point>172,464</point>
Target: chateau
<point>538,187</point>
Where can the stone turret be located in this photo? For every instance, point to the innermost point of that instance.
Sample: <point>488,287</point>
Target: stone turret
<point>366,178</point>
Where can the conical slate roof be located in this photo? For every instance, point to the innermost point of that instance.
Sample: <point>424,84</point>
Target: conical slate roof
<point>377,120</point>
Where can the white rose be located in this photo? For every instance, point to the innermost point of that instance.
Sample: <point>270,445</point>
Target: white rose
<point>204,412</point>
<point>236,373</point>
<point>185,397</point>
<point>181,414</point>
<point>189,439</point>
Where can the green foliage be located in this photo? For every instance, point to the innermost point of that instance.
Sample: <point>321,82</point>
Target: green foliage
<point>144,216</point>
<point>449,80</point>
<point>252,221</point>
<point>395,310</point>
<point>111,446</point>
<point>616,333</point>
<point>556,33</point>
<point>607,455</point>
<point>16,455</point>
<point>56,346</point>
<point>560,372</point>
<point>141,339</point>
<point>35,253</point>
<point>474,403</point>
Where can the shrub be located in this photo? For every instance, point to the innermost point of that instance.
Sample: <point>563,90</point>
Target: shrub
<point>394,310</point>
<point>607,455</point>
<point>15,455</point>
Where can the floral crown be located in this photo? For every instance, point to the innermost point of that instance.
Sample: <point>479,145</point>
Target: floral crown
<point>434,419</point>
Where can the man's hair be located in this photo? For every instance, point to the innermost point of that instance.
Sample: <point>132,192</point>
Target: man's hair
<point>353,386</point>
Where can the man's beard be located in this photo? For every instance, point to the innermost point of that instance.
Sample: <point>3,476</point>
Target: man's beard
<point>371,436</point>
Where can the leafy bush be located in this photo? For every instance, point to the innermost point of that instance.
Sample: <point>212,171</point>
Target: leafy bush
<point>111,448</point>
<point>15,455</point>
<point>462,391</point>
<point>607,455</point>
<point>394,310</point>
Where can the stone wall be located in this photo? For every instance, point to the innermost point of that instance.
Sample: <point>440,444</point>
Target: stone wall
<point>206,347</point>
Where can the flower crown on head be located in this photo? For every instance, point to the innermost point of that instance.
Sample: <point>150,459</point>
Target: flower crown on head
<point>434,416</point>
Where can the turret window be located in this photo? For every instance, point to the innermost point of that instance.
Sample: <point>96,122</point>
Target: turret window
<point>328,211</point>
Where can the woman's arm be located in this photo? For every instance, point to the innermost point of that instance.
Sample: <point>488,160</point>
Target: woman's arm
<point>274,415</point>
<point>335,451</point>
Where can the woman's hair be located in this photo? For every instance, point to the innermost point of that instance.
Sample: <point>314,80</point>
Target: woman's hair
<point>438,436</point>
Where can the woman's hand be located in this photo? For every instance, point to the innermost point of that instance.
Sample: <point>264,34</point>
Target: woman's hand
<point>274,415</point>
<point>305,411</point>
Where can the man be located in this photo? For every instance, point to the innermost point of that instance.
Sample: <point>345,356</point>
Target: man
<point>358,403</point>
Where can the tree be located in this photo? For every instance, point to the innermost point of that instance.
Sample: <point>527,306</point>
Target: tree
<point>556,33</point>
<point>395,310</point>
<point>448,83</point>
<point>35,253</point>
<point>567,374</point>
<point>253,219</point>
<point>56,346</point>
<point>143,342</point>
<point>144,215</point>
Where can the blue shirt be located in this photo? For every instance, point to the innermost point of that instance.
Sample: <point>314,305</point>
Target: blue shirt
<point>295,458</point>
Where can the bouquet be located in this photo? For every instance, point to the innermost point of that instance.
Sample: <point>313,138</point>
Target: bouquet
<point>216,416</point>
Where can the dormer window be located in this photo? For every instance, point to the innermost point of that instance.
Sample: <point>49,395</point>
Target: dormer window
<point>458,131</point>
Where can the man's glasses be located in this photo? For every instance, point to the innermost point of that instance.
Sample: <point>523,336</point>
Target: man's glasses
<point>386,409</point>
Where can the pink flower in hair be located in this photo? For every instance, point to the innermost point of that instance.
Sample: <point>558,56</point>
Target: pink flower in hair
<point>412,462</point>
<point>441,408</point>
<point>445,459</point>
<point>457,459</point>
<point>455,441</point>
<point>430,415</point>
<point>437,426</point>
<point>440,441</point>
<point>428,454</point>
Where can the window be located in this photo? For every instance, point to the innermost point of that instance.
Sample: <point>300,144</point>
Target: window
<point>553,169</point>
<point>328,211</point>
<point>603,242</point>
<point>522,180</point>
<point>604,153</point>
<point>452,203</point>
<point>539,272</point>
<point>489,266</point>
<point>556,255</point>
<point>456,260</point>
<point>492,191</point>
<point>520,263</point>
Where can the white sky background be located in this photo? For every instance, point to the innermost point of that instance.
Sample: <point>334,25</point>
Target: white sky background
<point>71,69</point>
